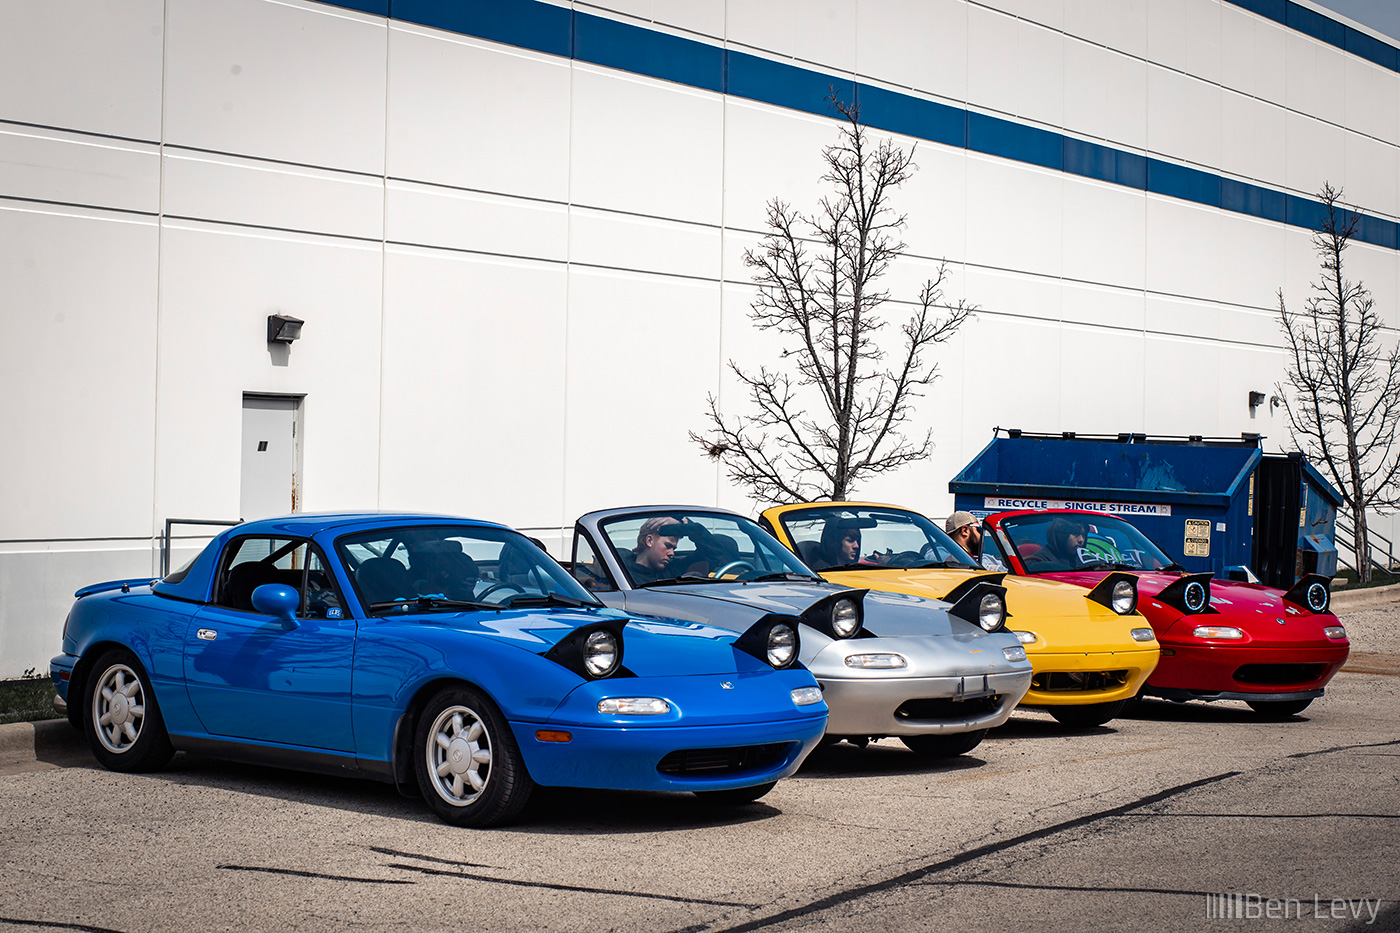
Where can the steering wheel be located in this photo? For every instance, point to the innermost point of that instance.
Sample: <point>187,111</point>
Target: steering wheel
<point>498,585</point>
<point>730,566</point>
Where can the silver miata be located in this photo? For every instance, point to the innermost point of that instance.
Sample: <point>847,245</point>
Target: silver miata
<point>936,674</point>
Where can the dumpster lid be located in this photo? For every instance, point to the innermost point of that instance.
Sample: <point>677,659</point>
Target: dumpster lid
<point>1194,471</point>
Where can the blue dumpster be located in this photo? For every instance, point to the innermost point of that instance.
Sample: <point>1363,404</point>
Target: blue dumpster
<point>1215,505</point>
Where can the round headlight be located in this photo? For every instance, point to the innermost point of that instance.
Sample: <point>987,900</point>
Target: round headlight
<point>1194,596</point>
<point>600,653</point>
<point>990,612</point>
<point>1317,597</point>
<point>1124,598</point>
<point>845,618</point>
<point>782,645</point>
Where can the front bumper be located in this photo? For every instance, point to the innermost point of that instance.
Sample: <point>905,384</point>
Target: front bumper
<point>922,705</point>
<point>1167,693</point>
<point>1222,669</point>
<point>622,758</point>
<point>1077,678</point>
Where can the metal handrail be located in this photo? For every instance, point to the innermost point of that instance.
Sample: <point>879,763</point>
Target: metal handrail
<point>1346,534</point>
<point>165,539</point>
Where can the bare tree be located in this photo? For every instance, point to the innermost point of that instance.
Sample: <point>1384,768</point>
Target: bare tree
<point>816,278</point>
<point>1343,385</point>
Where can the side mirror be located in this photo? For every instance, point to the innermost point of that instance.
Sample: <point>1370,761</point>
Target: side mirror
<point>282,602</point>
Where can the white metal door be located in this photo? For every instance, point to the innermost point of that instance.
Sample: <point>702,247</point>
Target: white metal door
<point>269,484</point>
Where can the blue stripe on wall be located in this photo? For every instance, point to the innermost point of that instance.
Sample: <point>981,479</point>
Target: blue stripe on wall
<point>560,31</point>
<point>1325,29</point>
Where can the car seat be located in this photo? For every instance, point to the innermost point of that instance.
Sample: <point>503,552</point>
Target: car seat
<point>382,580</point>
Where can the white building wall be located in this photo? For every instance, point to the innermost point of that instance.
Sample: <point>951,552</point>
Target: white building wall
<point>522,274</point>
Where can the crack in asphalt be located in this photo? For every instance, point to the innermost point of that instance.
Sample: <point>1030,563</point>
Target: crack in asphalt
<point>427,858</point>
<point>1343,748</point>
<point>846,895</point>
<point>1273,816</point>
<point>571,887</point>
<point>1096,889</point>
<point>57,925</point>
<point>312,874</point>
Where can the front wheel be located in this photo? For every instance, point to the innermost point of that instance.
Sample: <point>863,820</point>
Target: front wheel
<point>124,726</point>
<point>469,768</point>
<point>739,795</point>
<point>1088,715</point>
<point>1279,709</point>
<point>944,746</point>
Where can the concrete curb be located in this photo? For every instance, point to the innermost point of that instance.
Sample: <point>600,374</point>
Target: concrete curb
<point>27,742</point>
<point>1370,598</point>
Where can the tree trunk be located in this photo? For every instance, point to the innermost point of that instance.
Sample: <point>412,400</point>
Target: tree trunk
<point>1363,547</point>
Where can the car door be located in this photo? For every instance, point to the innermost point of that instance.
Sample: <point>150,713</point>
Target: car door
<point>252,676</point>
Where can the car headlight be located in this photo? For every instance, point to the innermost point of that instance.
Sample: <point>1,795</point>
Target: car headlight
<point>1318,597</point>
<point>806,696</point>
<point>1335,631</point>
<point>845,618</point>
<point>633,706</point>
<point>782,644</point>
<point>991,612</point>
<point>1194,596</point>
<point>1217,631</point>
<point>1014,653</point>
<point>876,662</point>
<point>600,653</point>
<point>1141,634</point>
<point>1124,597</point>
<point>1025,638</point>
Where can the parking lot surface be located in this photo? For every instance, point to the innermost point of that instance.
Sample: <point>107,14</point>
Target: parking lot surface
<point>1158,820</point>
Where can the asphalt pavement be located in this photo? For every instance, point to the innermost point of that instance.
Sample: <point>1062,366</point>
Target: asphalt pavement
<point>1178,817</point>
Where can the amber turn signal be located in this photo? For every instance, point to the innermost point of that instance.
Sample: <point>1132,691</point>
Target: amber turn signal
<point>549,735</point>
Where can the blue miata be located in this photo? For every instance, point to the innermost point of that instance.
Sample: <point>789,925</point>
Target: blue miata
<point>453,658</point>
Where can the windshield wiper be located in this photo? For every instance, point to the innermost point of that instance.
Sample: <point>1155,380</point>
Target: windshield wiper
<point>785,575</point>
<point>428,603</point>
<point>547,599</point>
<point>687,577</point>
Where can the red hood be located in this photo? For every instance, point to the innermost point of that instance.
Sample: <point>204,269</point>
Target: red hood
<point>1250,607</point>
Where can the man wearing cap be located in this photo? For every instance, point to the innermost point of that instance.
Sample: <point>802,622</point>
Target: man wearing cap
<point>966,530</point>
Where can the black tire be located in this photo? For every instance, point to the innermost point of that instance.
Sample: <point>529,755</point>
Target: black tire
<point>1088,715</point>
<point>737,796</point>
<point>121,718</point>
<point>1279,709</point>
<point>448,771</point>
<point>944,746</point>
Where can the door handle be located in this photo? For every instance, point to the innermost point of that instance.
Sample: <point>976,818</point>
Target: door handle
<point>206,634</point>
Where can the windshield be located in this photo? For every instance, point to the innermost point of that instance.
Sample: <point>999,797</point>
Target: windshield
<point>661,547</point>
<point>451,568</point>
<point>870,538</point>
<point>1050,542</point>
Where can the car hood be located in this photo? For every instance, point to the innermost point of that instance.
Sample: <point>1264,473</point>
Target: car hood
<point>1251,607</point>
<point>886,614</point>
<point>1060,613</point>
<point>650,647</point>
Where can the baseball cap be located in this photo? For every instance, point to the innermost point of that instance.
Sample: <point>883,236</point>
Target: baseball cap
<point>958,520</point>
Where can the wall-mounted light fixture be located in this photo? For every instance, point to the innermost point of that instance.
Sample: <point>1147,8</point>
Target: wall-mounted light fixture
<point>283,329</point>
<point>1255,400</point>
